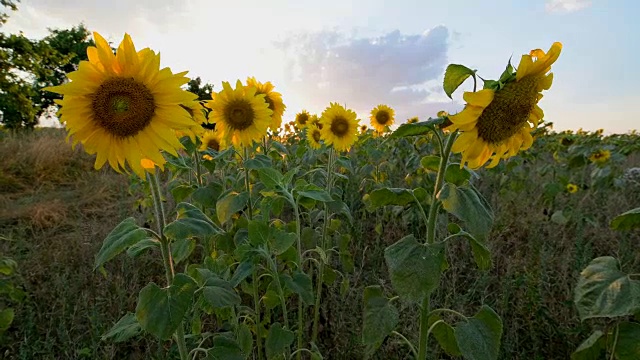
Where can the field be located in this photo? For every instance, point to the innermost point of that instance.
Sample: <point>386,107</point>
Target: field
<point>552,206</point>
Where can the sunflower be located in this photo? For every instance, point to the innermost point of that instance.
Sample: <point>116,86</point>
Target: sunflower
<point>302,118</point>
<point>600,156</point>
<point>212,139</point>
<point>314,121</point>
<point>274,99</point>
<point>198,113</point>
<point>497,123</point>
<point>339,127</point>
<point>572,188</point>
<point>382,116</point>
<point>363,129</point>
<point>314,136</point>
<point>241,115</point>
<point>412,120</point>
<point>123,108</point>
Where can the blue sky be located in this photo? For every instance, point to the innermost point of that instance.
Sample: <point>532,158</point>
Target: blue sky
<point>363,53</point>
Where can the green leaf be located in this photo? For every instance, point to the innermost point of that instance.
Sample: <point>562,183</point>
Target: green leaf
<point>604,291</point>
<point>431,162</point>
<point>244,338</point>
<point>300,283</point>
<point>6,318</point>
<point>481,253</point>
<point>278,342</point>
<point>592,348</point>
<point>270,177</point>
<point>315,194</point>
<point>225,348</point>
<point>415,129</point>
<point>380,318</point>
<point>456,175</point>
<point>182,191</point>
<point>281,241</point>
<point>126,328</point>
<point>627,221</point>
<point>390,196</point>
<point>219,294</point>
<point>259,161</point>
<point>181,249</point>
<point>7,266</point>
<point>137,248</point>
<point>259,232</point>
<point>468,205</point>
<point>445,335</point>
<point>126,234</point>
<point>479,337</point>
<point>206,196</point>
<point>243,270</point>
<point>559,218</point>
<point>160,310</point>
<point>230,204</point>
<point>628,346</point>
<point>454,76</point>
<point>190,222</point>
<point>415,268</point>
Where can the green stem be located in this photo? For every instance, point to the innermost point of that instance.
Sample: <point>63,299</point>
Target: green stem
<point>431,236</point>
<point>198,169</point>
<point>299,264</point>
<point>325,225</point>
<point>256,298</point>
<point>165,249</point>
<point>424,329</point>
<point>413,349</point>
<point>615,342</point>
<point>283,303</point>
<point>433,210</point>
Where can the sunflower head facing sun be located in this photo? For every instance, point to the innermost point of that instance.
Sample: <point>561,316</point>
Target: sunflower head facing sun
<point>302,118</point>
<point>123,107</point>
<point>241,116</point>
<point>382,117</point>
<point>212,139</point>
<point>497,121</point>
<point>600,156</point>
<point>273,98</point>
<point>339,127</point>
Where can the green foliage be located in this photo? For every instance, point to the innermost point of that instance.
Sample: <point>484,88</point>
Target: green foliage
<point>125,235</point>
<point>454,76</point>
<point>479,337</point>
<point>126,328</point>
<point>380,318</point>
<point>469,206</point>
<point>278,342</point>
<point>604,291</point>
<point>626,221</point>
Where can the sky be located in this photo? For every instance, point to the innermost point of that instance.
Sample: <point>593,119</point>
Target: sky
<point>364,53</point>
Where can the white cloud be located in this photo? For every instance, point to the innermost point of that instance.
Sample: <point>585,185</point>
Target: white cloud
<point>402,71</point>
<point>559,6</point>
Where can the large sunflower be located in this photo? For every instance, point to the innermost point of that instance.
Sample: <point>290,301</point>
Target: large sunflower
<point>497,124</point>
<point>241,115</point>
<point>274,99</point>
<point>339,127</point>
<point>122,107</point>
<point>382,116</point>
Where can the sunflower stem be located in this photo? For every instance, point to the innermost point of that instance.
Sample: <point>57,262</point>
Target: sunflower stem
<point>431,236</point>
<point>165,249</point>
<point>198,168</point>
<point>325,226</point>
<point>256,297</point>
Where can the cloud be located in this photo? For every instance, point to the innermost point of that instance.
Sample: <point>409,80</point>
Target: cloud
<point>402,71</point>
<point>566,6</point>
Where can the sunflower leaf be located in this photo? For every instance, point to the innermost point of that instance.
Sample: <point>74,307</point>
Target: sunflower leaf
<point>415,129</point>
<point>125,235</point>
<point>628,346</point>
<point>454,76</point>
<point>479,337</point>
<point>591,348</point>
<point>627,221</point>
<point>380,318</point>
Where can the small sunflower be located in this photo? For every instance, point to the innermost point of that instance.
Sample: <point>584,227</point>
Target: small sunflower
<point>212,139</point>
<point>274,99</point>
<point>314,121</point>
<point>363,129</point>
<point>412,120</point>
<point>314,136</point>
<point>382,117</point>
<point>339,126</point>
<point>600,156</point>
<point>123,107</point>
<point>498,123</point>
<point>240,115</point>
<point>572,188</point>
<point>302,118</point>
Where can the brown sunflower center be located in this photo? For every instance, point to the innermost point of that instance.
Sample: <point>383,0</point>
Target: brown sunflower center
<point>382,117</point>
<point>123,106</point>
<point>339,126</point>
<point>302,118</point>
<point>316,135</point>
<point>509,110</point>
<point>239,114</point>
<point>213,144</point>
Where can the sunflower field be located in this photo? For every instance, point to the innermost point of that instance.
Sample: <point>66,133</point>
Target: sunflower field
<point>219,230</point>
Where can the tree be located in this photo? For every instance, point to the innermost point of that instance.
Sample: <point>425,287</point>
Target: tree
<point>27,66</point>
<point>203,91</point>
